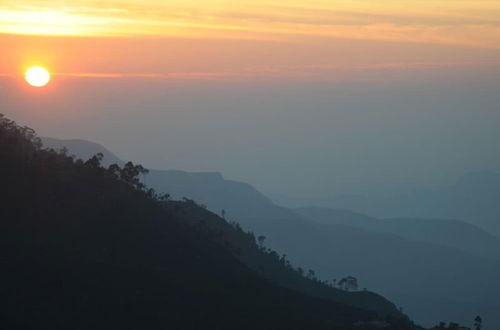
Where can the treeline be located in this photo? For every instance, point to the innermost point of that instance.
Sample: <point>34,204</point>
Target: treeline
<point>84,245</point>
<point>88,247</point>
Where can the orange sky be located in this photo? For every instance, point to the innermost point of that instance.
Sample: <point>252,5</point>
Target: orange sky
<point>253,88</point>
<point>470,22</point>
<point>242,38</point>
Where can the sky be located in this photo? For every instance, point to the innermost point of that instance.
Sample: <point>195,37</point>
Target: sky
<point>303,99</point>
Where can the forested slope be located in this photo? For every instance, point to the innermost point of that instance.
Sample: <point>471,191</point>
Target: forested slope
<point>88,247</point>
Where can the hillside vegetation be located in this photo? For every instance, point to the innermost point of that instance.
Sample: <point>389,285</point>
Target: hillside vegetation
<point>436,270</point>
<point>88,247</point>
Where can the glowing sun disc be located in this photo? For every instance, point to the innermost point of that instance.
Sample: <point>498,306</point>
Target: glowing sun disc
<point>37,76</point>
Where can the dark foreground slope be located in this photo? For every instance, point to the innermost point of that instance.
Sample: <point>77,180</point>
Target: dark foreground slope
<point>269,264</point>
<point>240,201</point>
<point>82,247</point>
<point>436,273</point>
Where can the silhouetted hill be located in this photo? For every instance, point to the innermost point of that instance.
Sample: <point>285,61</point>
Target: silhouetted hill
<point>241,201</point>
<point>276,267</point>
<point>395,267</point>
<point>87,247</point>
<point>452,233</point>
<point>83,149</point>
<point>455,284</point>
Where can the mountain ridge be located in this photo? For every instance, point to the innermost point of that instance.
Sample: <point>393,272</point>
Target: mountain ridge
<point>425,269</point>
<point>213,184</point>
<point>448,232</point>
<point>83,244</point>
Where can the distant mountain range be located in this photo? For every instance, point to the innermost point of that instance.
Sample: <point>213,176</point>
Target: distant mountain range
<point>437,270</point>
<point>473,198</point>
<point>451,233</point>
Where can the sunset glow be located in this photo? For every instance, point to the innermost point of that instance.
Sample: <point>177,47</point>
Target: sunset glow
<point>467,22</point>
<point>145,143</point>
<point>37,76</point>
<point>243,40</point>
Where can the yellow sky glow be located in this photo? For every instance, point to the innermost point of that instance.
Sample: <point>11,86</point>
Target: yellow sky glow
<point>247,39</point>
<point>461,22</point>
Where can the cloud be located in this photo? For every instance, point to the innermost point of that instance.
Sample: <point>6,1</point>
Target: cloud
<point>471,23</point>
<point>323,72</point>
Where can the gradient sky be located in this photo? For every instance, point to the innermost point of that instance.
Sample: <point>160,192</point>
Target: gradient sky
<point>305,99</point>
<point>464,22</point>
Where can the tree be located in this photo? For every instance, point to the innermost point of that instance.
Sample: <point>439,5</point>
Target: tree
<point>261,240</point>
<point>164,197</point>
<point>95,161</point>
<point>478,323</point>
<point>300,271</point>
<point>349,283</point>
<point>114,170</point>
<point>130,173</point>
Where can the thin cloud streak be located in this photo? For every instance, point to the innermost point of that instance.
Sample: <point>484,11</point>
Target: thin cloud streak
<point>184,75</point>
<point>321,72</point>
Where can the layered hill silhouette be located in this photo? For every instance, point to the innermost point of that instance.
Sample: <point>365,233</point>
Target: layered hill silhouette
<point>89,247</point>
<point>451,233</point>
<point>240,201</point>
<point>253,204</point>
<point>472,198</point>
<point>83,149</point>
<point>437,270</point>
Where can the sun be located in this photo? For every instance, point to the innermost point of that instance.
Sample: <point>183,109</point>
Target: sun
<point>37,76</point>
